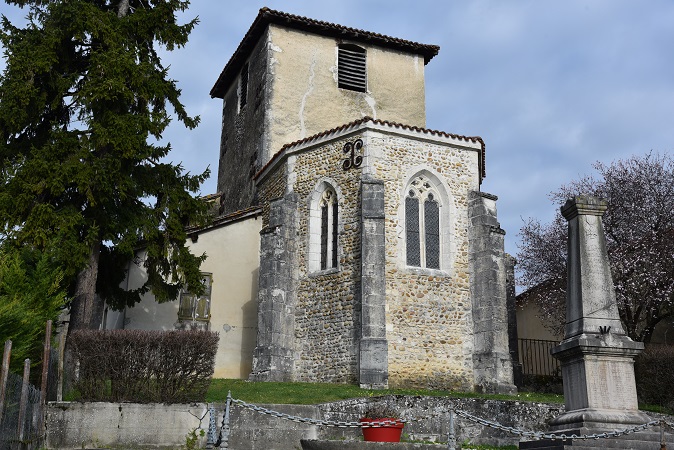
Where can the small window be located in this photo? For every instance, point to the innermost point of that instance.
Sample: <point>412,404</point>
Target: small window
<point>193,308</point>
<point>422,224</point>
<point>243,87</point>
<point>351,68</point>
<point>328,230</point>
<point>323,250</point>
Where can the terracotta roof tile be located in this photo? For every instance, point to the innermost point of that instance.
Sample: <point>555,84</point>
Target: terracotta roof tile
<point>268,16</point>
<point>224,218</point>
<point>473,139</point>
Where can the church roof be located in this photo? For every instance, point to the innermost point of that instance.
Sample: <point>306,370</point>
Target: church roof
<point>268,16</point>
<point>356,123</point>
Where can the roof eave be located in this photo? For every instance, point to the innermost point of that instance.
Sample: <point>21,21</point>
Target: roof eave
<point>267,16</point>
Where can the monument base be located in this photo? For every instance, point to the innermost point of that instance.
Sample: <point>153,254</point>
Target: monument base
<point>644,440</point>
<point>313,444</point>
<point>592,420</point>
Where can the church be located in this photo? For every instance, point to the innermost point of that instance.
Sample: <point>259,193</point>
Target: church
<point>351,244</point>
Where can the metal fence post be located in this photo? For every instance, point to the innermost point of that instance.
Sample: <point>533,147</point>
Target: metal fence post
<point>212,431</point>
<point>224,431</point>
<point>62,346</point>
<point>451,436</point>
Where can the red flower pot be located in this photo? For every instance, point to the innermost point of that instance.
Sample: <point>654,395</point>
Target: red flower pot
<point>383,433</point>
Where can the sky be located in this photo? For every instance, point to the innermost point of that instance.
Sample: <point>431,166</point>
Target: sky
<point>551,86</point>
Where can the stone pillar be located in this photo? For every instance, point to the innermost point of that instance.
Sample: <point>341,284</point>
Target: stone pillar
<point>597,357</point>
<point>273,358</point>
<point>492,366</point>
<point>373,350</point>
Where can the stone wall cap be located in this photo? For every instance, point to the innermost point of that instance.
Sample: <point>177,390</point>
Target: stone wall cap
<point>583,205</point>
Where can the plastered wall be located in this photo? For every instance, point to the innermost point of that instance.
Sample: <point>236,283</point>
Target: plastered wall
<point>233,259</point>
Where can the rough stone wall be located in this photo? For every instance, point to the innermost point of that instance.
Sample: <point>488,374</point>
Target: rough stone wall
<point>428,312</point>
<point>273,187</point>
<point>429,321</point>
<point>491,358</point>
<point>328,302</point>
<point>243,135</point>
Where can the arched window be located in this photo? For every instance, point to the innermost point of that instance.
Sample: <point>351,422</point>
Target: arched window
<point>323,228</point>
<point>328,229</point>
<point>422,223</point>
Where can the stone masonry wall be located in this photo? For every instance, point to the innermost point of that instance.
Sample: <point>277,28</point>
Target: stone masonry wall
<point>273,187</point>
<point>428,312</point>
<point>242,135</point>
<point>429,321</point>
<point>328,302</point>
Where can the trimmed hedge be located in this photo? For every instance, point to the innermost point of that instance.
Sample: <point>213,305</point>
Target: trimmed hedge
<point>654,369</point>
<point>144,366</point>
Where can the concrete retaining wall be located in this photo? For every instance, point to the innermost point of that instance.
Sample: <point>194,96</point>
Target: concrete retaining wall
<point>72,425</point>
<point>130,425</point>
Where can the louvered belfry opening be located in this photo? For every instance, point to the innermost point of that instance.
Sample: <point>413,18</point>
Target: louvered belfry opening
<point>351,68</point>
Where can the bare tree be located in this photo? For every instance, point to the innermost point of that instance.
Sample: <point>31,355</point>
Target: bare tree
<point>639,227</point>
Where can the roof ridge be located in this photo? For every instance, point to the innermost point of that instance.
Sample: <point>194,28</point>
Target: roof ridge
<point>268,16</point>
<point>365,119</point>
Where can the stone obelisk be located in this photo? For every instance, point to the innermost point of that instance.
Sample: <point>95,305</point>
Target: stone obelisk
<point>596,355</point>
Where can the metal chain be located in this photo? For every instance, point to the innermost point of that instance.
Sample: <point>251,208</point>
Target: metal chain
<point>484,422</point>
<point>553,436</point>
<point>325,423</point>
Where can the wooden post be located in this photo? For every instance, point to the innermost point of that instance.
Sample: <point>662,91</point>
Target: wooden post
<point>4,374</point>
<point>24,399</point>
<point>45,376</point>
<point>62,346</point>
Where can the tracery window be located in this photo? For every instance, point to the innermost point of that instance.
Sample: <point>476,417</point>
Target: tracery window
<point>422,224</point>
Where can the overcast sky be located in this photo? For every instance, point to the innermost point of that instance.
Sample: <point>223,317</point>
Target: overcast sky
<point>551,86</point>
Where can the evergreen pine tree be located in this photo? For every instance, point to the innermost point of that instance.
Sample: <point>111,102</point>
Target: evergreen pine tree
<point>85,99</point>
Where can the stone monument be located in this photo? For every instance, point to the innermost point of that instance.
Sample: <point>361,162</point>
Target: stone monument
<point>596,355</point>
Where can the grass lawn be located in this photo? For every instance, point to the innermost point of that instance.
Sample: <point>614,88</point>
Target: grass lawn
<point>313,393</point>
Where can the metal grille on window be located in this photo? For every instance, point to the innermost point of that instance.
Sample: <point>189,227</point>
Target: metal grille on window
<point>432,232</point>
<point>412,230</point>
<point>351,64</point>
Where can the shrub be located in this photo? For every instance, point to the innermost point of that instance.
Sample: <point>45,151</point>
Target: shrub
<point>654,375</point>
<point>31,292</point>
<point>144,366</point>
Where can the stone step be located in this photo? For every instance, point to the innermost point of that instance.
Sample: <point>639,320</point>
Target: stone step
<point>316,444</point>
<point>635,441</point>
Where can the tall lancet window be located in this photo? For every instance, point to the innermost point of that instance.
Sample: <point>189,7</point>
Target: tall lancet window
<point>323,250</point>
<point>422,224</point>
<point>328,229</point>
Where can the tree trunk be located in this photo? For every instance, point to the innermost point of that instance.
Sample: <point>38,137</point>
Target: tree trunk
<point>83,307</point>
<point>123,8</point>
<point>84,313</point>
